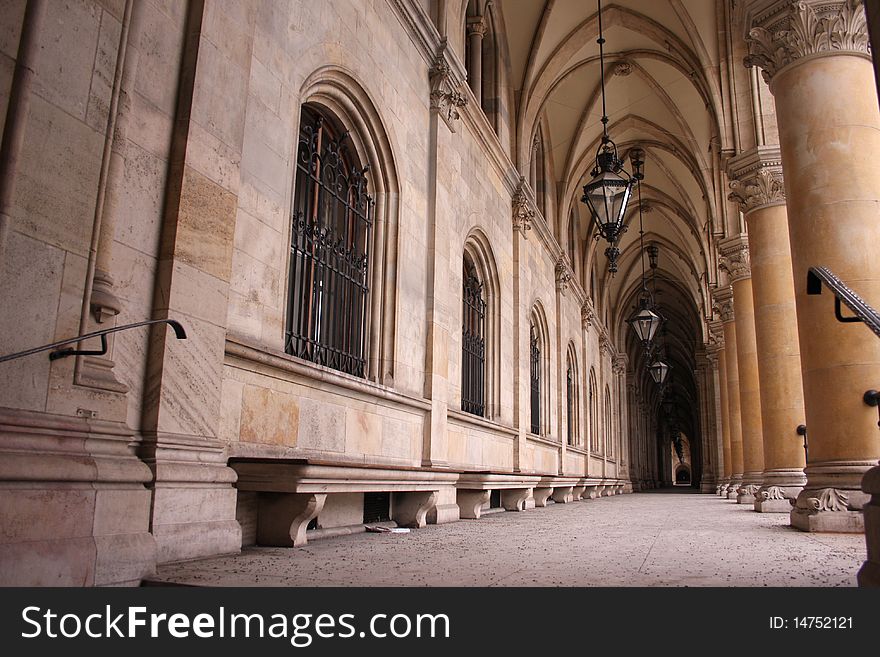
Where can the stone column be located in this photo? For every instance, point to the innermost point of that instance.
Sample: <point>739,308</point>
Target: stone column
<point>714,381</point>
<point>735,260</point>
<point>476,29</point>
<point>726,457</point>
<point>814,55</point>
<point>758,188</point>
<point>724,302</point>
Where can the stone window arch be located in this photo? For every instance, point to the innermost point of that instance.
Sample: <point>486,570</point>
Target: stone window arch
<point>572,397</point>
<point>342,268</point>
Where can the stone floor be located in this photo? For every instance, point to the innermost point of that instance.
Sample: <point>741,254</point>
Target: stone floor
<point>646,539</point>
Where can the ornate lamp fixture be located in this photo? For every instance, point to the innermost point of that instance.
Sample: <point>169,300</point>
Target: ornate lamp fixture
<point>659,370</point>
<point>607,194</point>
<point>645,321</point>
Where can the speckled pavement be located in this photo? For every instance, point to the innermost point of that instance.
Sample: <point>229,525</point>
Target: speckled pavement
<point>643,539</point>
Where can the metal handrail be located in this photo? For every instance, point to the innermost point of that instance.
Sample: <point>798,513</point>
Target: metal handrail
<point>863,312</point>
<point>179,333</point>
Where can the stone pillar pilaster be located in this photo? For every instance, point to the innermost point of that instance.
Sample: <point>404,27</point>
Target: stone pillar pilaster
<point>757,186</point>
<point>735,259</point>
<point>814,55</point>
<point>723,298</point>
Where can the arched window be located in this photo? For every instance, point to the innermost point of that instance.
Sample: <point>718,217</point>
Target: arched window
<point>329,248</point>
<point>481,364</point>
<point>609,429</point>
<point>535,378</point>
<point>473,339</point>
<point>571,398</point>
<point>594,413</point>
<point>537,173</point>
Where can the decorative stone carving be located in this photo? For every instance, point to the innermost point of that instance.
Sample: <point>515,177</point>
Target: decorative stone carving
<point>792,30</point>
<point>588,315</point>
<point>829,499</point>
<point>748,489</point>
<point>619,364</point>
<point>773,493</point>
<point>723,303</point>
<point>445,95</point>
<point>764,188</point>
<point>622,68</point>
<point>476,26</point>
<point>563,275</point>
<point>523,210</point>
<point>604,343</point>
<point>735,260</point>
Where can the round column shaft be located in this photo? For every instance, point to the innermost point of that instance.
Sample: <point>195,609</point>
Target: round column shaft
<point>815,56</point>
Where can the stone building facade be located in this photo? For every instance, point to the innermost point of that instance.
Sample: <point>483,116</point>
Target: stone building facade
<point>314,191</point>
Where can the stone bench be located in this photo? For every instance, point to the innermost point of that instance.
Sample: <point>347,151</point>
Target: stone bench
<point>474,488</point>
<point>292,492</point>
<point>559,489</point>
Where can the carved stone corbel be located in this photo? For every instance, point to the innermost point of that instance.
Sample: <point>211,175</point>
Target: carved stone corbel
<point>523,209</point>
<point>445,84</point>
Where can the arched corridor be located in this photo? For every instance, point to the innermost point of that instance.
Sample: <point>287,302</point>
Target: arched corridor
<point>668,538</point>
<point>273,270</point>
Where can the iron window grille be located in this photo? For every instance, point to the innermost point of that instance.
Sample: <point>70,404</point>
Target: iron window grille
<point>473,334</point>
<point>535,379</point>
<point>329,250</point>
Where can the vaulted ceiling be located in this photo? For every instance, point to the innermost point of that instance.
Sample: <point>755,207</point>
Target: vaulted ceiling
<point>663,94</point>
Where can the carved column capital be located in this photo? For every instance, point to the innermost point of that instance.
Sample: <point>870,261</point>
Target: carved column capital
<point>781,32</point>
<point>735,258</point>
<point>523,208</point>
<point>619,364</point>
<point>445,84</point>
<point>604,343</point>
<point>563,275</point>
<point>476,26</point>
<point>722,303</point>
<point>588,314</point>
<point>756,179</point>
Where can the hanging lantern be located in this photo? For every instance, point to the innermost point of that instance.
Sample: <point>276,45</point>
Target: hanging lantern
<point>607,194</point>
<point>645,323</point>
<point>659,370</point>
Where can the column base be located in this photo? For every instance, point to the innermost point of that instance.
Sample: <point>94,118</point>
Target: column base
<point>732,487</point>
<point>846,522</point>
<point>746,494</point>
<point>191,474</point>
<point>832,500</point>
<point>776,499</point>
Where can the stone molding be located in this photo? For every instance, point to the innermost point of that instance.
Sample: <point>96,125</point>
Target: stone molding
<point>523,209</point>
<point>722,303</point>
<point>735,258</point>
<point>756,179</point>
<point>445,84</point>
<point>788,31</point>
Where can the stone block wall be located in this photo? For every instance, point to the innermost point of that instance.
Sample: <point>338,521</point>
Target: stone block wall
<point>183,196</point>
